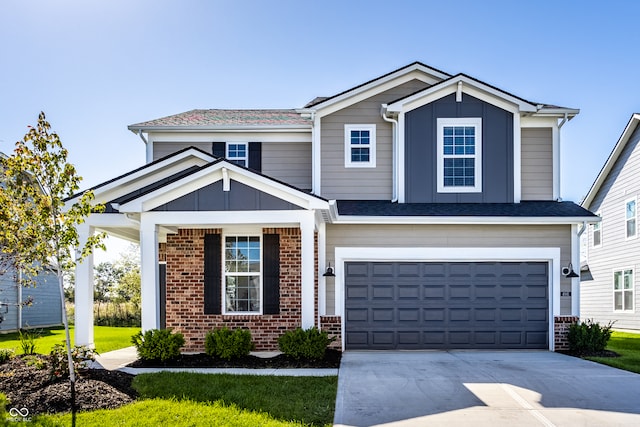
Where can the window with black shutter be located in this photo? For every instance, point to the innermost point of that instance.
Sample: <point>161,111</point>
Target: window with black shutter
<point>271,273</point>
<point>248,154</point>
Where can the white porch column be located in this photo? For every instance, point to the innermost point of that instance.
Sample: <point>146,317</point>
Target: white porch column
<point>322,267</point>
<point>150,290</point>
<point>307,225</point>
<point>84,293</point>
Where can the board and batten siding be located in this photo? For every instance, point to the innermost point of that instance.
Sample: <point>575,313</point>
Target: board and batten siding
<point>616,252</point>
<point>450,236</point>
<point>338,182</point>
<point>537,164</point>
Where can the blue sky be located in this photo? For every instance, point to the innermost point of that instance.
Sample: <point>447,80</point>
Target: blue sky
<point>95,67</point>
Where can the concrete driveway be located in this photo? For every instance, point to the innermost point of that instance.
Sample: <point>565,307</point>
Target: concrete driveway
<point>483,388</point>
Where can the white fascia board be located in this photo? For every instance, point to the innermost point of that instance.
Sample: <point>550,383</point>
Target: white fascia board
<point>106,220</point>
<point>197,219</point>
<point>538,121</point>
<point>613,157</point>
<point>485,93</point>
<point>374,88</point>
<point>557,112</point>
<point>147,176</point>
<point>213,174</point>
<point>228,128</point>
<point>461,220</point>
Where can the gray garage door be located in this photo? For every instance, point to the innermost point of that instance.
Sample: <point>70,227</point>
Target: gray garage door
<point>446,305</point>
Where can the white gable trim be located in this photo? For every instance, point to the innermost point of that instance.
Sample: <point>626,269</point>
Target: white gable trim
<point>213,174</point>
<point>611,161</point>
<point>469,86</point>
<point>148,175</point>
<point>415,72</point>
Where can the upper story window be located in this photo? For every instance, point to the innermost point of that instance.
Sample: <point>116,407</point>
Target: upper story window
<point>242,274</point>
<point>459,155</point>
<point>630,218</point>
<point>596,230</point>
<point>237,153</point>
<point>360,146</point>
<point>623,290</point>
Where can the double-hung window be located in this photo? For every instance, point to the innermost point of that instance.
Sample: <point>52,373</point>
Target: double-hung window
<point>630,218</point>
<point>459,145</point>
<point>242,274</point>
<point>623,290</point>
<point>596,230</point>
<point>237,153</point>
<point>359,146</point>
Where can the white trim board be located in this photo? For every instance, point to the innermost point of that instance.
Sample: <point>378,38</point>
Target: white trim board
<point>373,254</point>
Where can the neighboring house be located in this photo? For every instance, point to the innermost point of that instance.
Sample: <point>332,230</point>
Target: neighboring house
<point>611,248</point>
<point>33,306</point>
<point>416,210</point>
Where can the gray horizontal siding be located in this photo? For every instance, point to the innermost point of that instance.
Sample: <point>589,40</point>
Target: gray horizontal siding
<point>338,182</point>
<point>289,162</point>
<point>9,295</point>
<point>537,164</point>
<point>616,252</point>
<point>449,236</point>
<point>163,149</point>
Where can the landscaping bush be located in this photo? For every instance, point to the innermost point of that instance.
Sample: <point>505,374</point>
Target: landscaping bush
<point>28,340</point>
<point>227,344</point>
<point>60,364</point>
<point>588,336</point>
<point>308,344</point>
<point>158,344</point>
<point>6,354</point>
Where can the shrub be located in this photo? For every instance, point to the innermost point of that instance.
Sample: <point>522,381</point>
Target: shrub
<point>308,344</point>
<point>588,336</point>
<point>227,344</point>
<point>35,360</point>
<point>60,363</point>
<point>6,354</point>
<point>158,344</point>
<point>28,340</point>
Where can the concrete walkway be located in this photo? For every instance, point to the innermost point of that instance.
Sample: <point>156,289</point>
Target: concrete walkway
<point>476,388</point>
<point>118,359</point>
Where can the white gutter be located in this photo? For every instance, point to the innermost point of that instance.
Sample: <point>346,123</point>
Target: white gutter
<point>394,149</point>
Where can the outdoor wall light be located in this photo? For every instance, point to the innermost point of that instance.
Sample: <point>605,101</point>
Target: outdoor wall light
<point>568,272</point>
<point>329,272</point>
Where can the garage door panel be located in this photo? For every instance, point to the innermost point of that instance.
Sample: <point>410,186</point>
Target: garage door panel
<point>446,305</point>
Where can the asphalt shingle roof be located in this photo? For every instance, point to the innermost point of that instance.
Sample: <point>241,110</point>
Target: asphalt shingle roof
<point>217,117</point>
<point>523,209</point>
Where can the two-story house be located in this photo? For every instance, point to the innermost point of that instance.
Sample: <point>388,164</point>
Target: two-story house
<point>417,210</point>
<point>611,255</point>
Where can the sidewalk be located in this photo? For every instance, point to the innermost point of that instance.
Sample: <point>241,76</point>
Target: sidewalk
<point>118,359</point>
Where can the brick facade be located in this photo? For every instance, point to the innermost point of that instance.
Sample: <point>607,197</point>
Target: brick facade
<point>561,331</point>
<point>333,325</point>
<point>185,291</point>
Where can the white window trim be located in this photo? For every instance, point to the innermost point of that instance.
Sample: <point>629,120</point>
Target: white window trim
<point>246,151</point>
<point>459,121</point>
<point>593,230</point>
<point>372,146</point>
<point>239,233</point>
<point>633,290</point>
<point>635,234</point>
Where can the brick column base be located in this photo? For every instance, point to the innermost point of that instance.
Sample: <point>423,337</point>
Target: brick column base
<point>561,331</point>
<point>333,325</point>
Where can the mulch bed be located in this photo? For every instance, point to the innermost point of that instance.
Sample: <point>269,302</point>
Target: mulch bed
<point>583,354</point>
<point>29,386</point>
<point>202,360</point>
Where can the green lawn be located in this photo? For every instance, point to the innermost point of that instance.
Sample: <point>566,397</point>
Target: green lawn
<point>627,345</point>
<point>186,399</point>
<point>107,338</point>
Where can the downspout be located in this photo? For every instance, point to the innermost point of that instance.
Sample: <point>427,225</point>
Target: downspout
<point>148,150</point>
<point>564,120</point>
<point>394,143</point>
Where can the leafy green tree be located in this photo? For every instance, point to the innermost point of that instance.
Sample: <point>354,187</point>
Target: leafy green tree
<point>107,275</point>
<point>37,227</point>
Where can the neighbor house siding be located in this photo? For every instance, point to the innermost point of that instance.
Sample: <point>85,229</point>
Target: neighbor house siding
<point>447,236</point>
<point>338,182</point>
<point>616,252</point>
<point>537,164</point>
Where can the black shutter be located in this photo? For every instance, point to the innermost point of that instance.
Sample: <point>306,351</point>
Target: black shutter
<point>271,273</point>
<point>212,273</point>
<point>219,149</point>
<point>255,156</point>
